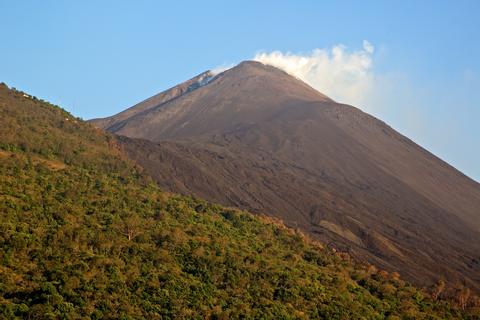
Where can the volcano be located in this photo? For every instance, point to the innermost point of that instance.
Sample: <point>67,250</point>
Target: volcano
<point>257,138</point>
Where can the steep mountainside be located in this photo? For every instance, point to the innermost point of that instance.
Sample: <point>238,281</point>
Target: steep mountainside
<point>85,234</point>
<point>259,139</point>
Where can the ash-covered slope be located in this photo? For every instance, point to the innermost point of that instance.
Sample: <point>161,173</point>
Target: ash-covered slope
<point>257,138</point>
<point>248,94</point>
<point>145,106</point>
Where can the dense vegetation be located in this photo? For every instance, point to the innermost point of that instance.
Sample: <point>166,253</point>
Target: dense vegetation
<point>84,234</point>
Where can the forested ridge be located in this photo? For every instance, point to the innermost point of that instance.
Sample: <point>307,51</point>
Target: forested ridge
<point>85,234</point>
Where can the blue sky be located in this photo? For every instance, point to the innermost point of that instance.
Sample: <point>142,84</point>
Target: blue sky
<point>96,58</point>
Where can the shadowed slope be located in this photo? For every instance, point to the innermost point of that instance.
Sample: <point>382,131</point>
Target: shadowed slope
<point>257,138</point>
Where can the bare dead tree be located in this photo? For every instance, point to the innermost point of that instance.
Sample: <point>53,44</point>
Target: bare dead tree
<point>438,289</point>
<point>462,297</point>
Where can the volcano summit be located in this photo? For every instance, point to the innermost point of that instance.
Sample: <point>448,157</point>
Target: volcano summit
<point>257,138</point>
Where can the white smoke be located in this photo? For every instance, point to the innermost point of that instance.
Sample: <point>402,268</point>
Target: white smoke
<point>342,75</point>
<point>221,69</point>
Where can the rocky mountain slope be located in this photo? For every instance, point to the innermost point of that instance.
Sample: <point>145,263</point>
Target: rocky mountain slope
<point>256,138</point>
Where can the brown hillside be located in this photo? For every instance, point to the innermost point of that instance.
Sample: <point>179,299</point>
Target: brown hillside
<point>257,138</point>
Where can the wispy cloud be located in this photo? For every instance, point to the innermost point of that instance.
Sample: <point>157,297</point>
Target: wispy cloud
<point>344,75</point>
<point>221,68</point>
<point>417,109</point>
